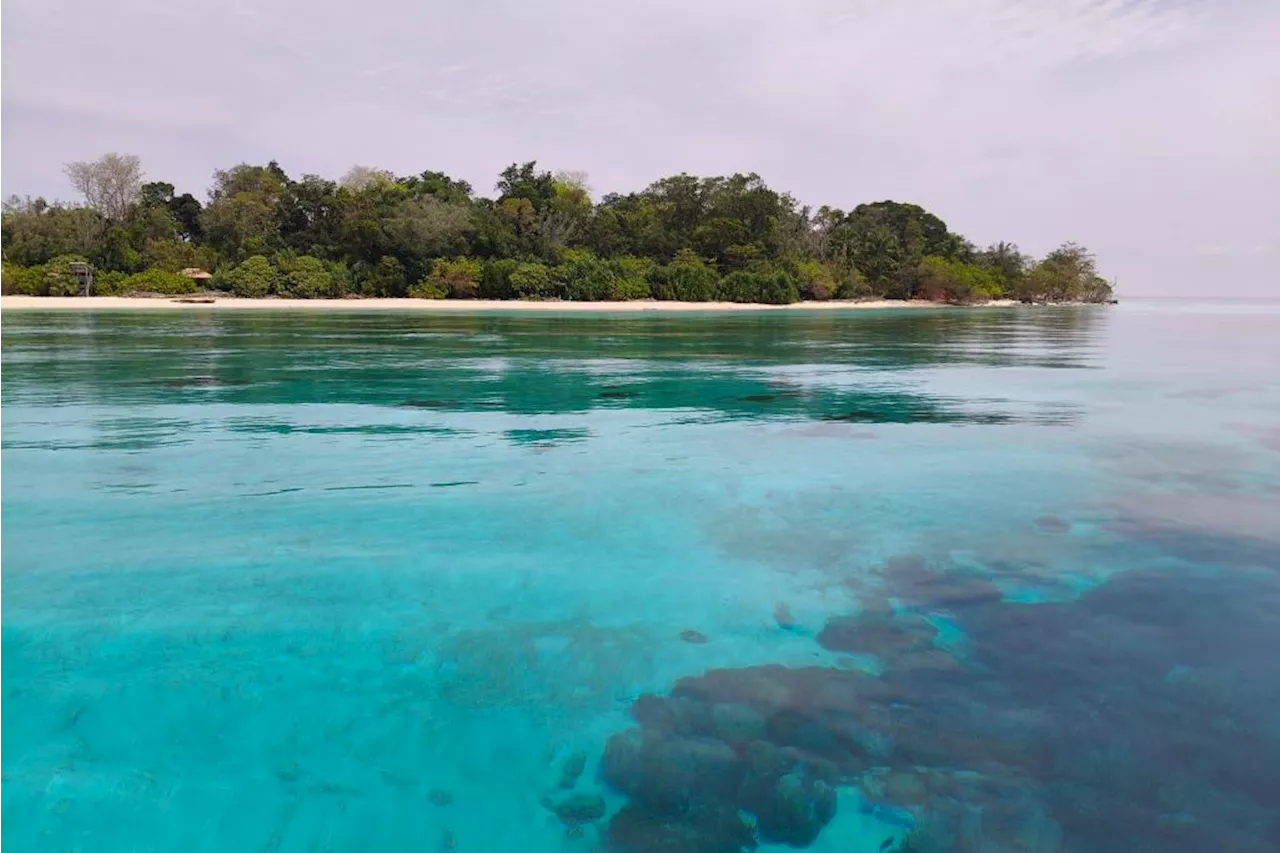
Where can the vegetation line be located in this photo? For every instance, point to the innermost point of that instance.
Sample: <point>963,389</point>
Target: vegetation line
<point>682,238</point>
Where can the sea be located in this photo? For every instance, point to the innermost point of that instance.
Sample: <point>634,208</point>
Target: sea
<point>848,581</point>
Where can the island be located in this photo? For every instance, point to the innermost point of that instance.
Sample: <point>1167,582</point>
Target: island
<point>374,235</point>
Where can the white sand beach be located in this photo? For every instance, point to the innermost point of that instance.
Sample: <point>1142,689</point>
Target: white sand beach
<point>429,306</point>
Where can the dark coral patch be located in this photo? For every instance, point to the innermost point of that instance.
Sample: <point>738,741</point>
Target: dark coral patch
<point>1138,717</point>
<point>1053,524</point>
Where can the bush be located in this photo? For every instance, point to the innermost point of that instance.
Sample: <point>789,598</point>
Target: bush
<point>305,277</point>
<point>59,277</point>
<point>814,280</point>
<point>254,278</point>
<point>17,280</point>
<point>769,286</point>
<point>156,281</point>
<point>385,278</point>
<point>631,279</point>
<point>109,283</point>
<point>177,255</point>
<point>495,283</point>
<point>456,279</point>
<point>956,281</point>
<point>530,281</point>
<point>687,278</point>
<point>585,278</point>
<point>428,289</point>
<point>853,285</point>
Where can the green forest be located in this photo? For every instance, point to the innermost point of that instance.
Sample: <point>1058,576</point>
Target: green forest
<point>261,233</point>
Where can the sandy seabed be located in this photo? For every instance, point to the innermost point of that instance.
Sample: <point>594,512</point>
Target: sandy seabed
<point>433,306</point>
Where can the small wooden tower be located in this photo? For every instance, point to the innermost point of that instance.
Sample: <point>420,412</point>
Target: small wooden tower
<point>84,273</point>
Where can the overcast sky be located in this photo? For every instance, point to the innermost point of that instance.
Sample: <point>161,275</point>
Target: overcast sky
<point>1147,130</point>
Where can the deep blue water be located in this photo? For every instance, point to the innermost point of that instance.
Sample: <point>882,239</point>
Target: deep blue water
<point>972,580</point>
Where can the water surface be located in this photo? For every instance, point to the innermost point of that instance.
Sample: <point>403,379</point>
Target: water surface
<point>931,580</point>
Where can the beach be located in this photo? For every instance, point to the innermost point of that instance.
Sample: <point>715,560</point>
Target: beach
<point>435,306</point>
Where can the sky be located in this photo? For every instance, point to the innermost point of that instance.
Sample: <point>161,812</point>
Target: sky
<point>1146,130</point>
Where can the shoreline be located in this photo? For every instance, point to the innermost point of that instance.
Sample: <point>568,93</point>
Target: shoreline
<point>443,306</point>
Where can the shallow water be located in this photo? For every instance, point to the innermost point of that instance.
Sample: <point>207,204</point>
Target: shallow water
<point>974,580</point>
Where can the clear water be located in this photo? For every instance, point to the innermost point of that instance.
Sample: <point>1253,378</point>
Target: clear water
<point>980,580</point>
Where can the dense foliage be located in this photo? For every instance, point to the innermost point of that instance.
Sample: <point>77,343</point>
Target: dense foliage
<point>262,233</point>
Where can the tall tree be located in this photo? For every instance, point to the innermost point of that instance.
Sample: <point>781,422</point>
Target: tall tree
<point>110,185</point>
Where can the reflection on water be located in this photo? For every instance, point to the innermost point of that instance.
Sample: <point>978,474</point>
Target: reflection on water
<point>923,580</point>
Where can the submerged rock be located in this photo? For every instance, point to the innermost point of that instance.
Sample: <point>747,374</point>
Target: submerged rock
<point>735,722</point>
<point>782,615</point>
<point>635,830</point>
<point>572,769</point>
<point>794,810</point>
<point>579,809</point>
<point>883,634</point>
<point>1053,524</point>
<point>692,636</point>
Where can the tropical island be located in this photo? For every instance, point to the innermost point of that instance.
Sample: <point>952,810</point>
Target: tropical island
<point>262,234</point>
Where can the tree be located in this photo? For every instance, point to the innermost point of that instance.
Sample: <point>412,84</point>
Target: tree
<point>241,218</point>
<point>426,227</point>
<point>35,231</point>
<point>362,177</point>
<point>1068,273</point>
<point>110,185</point>
<point>1006,262</point>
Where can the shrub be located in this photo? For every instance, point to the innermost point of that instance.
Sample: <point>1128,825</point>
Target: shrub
<point>769,286</point>
<point>495,283</point>
<point>60,279</point>
<point>814,280</point>
<point>385,278</point>
<point>177,255</point>
<point>631,278</point>
<point>687,278</point>
<point>530,281</point>
<point>253,278</point>
<point>428,289</point>
<point>457,279</point>
<point>156,281</point>
<point>305,277</point>
<point>583,277</point>
<point>22,281</point>
<point>853,285</point>
<point>955,281</point>
<point>109,283</point>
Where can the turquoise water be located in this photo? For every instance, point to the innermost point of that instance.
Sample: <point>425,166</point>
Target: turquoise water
<point>975,580</point>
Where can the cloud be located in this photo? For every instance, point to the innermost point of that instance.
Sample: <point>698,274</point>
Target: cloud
<point>1141,128</point>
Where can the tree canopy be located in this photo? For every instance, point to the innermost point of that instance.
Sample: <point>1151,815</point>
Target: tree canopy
<point>541,236</point>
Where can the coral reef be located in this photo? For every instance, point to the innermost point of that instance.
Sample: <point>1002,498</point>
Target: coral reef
<point>1136,717</point>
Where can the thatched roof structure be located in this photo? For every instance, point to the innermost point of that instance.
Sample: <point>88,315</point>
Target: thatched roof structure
<point>197,273</point>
